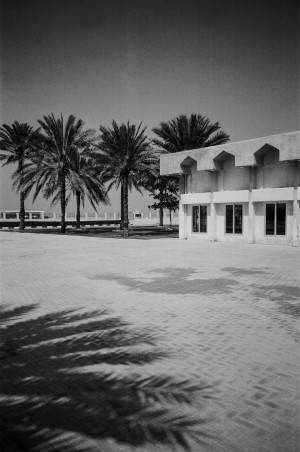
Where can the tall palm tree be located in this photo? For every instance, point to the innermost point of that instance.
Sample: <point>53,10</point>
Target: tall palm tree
<point>126,156</point>
<point>86,181</point>
<point>16,143</point>
<point>52,169</point>
<point>184,133</point>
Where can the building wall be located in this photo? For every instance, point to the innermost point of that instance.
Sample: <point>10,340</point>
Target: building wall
<point>259,225</point>
<point>199,182</point>
<point>260,237</point>
<point>234,179</point>
<point>274,182</point>
<point>252,174</point>
<point>275,176</point>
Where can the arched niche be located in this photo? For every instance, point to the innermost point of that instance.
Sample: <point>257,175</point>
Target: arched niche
<point>224,160</point>
<point>187,164</point>
<point>266,155</point>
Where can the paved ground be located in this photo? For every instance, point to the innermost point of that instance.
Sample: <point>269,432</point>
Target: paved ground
<point>218,321</point>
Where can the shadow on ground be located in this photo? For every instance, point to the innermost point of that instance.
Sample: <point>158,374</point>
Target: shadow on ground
<point>287,297</point>
<point>172,281</point>
<point>72,377</point>
<point>135,232</point>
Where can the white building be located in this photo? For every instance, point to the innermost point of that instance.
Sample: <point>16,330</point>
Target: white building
<point>245,191</point>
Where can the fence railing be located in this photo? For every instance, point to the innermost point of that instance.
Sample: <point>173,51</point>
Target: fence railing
<point>140,215</point>
<point>52,218</point>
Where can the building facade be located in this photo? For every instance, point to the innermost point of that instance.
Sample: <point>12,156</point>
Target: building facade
<point>246,191</point>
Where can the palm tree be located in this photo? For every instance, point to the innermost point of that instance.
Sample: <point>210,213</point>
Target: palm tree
<point>184,133</point>
<point>16,143</point>
<point>52,169</point>
<point>86,181</point>
<point>126,156</point>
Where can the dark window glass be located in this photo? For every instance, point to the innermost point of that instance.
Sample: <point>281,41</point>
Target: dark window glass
<point>195,218</point>
<point>11,216</point>
<point>203,218</point>
<point>280,218</point>
<point>229,219</point>
<point>238,219</point>
<point>270,219</point>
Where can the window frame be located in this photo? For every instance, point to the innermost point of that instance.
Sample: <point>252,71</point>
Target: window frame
<point>233,204</point>
<point>275,203</point>
<point>199,218</point>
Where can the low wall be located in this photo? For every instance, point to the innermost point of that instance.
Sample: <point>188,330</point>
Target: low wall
<point>55,223</point>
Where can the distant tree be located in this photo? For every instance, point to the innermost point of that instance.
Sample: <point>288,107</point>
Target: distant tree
<point>52,169</point>
<point>184,133</point>
<point>167,197</point>
<point>126,157</point>
<point>16,143</point>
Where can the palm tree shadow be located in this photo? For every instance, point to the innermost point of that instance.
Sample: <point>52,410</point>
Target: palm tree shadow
<point>63,376</point>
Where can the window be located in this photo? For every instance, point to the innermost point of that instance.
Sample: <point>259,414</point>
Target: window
<point>275,218</point>
<point>199,219</point>
<point>234,219</point>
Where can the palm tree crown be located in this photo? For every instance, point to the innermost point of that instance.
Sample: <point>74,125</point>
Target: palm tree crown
<point>184,133</point>
<point>16,144</point>
<point>53,169</point>
<point>126,156</point>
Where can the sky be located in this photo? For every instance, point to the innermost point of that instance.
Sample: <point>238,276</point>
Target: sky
<point>234,61</point>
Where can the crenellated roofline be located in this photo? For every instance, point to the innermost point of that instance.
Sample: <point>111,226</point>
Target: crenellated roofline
<point>245,153</point>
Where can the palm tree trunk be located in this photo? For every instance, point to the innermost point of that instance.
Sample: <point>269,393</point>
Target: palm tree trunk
<point>78,210</point>
<point>63,205</point>
<point>22,211</point>
<point>122,207</point>
<point>161,210</point>
<point>125,204</point>
<point>170,212</point>
<point>161,216</point>
<point>22,204</point>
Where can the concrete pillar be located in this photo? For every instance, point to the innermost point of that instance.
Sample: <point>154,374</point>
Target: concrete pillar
<point>221,180</point>
<point>213,212</point>
<point>213,220</point>
<point>251,224</point>
<point>105,216</point>
<point>296,220</point>
<point>296,207</point>
<point>182,221</point>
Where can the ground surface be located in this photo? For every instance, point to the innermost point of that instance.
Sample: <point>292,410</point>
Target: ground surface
<point>224,316</point>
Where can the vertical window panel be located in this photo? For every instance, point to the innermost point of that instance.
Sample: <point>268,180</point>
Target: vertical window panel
<point>238,219</point>
<point>195,218</point>
<point>229,219</point>
<point>203,218</point>
<point>280,218</point>
<point>270,219</point>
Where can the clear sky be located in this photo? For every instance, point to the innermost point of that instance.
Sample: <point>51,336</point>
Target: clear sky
<point>235,61</point>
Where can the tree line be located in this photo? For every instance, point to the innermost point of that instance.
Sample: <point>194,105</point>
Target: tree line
<point>61,159</point>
